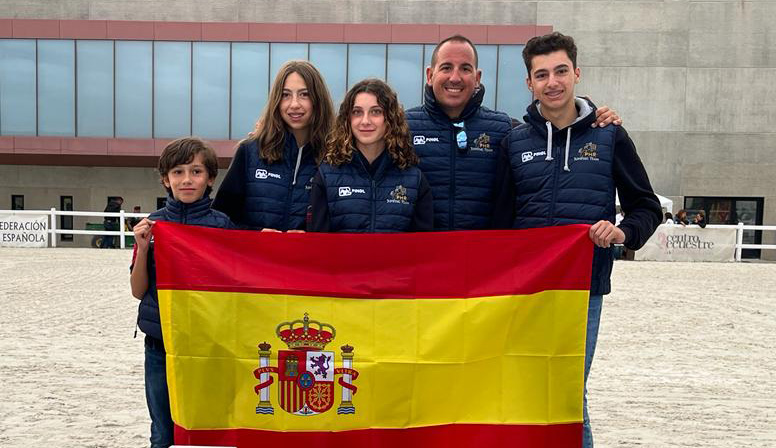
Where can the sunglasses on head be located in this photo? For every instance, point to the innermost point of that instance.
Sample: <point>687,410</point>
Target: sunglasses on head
<point>460,137</point>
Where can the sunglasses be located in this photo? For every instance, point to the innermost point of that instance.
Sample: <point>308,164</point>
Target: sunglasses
<point>461,137</point>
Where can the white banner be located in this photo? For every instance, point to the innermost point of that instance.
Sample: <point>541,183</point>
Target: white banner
<point>677,243</point>
<point>23,230</point>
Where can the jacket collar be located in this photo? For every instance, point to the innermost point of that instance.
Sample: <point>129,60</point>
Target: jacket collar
<point>585,108</point>
<point>177,210</point>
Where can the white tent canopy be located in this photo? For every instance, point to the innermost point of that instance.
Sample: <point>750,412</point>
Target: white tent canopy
<point>667,204</point>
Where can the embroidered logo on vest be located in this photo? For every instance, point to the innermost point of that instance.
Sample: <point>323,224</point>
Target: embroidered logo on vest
<point>263,174</point>
<point>588,152</point>
<point>422,139</point>
<point>529,155</point>
<point>482,144</point>
<point>347,191</point>
<point>399,196</point>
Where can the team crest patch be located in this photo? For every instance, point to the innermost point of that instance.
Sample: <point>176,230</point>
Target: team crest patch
<point>482,143</point>
<point>589,151</point>
<point>305,371</point>
<point>399,195</point>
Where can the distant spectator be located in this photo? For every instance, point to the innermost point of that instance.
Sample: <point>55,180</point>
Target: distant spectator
<point>132,222</point>
<point>700,219</point>
<point>681,217</point>
<point>111,222</point>
<point>669,218</point>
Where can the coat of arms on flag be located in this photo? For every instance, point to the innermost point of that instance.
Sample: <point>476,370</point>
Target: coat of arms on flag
<point>305,371</point>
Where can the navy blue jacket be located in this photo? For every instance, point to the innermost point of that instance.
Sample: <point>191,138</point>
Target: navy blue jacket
<point>257,195</point>
<point>198,213</point>
<point>462,181</point>
<point>377,197</point>
<point>570,176</point>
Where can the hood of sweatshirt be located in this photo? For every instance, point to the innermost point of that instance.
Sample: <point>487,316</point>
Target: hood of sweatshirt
<point>586,117</point>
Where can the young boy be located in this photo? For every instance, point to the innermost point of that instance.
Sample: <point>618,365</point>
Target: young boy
<point>188,168</point>
<point>558,170</point>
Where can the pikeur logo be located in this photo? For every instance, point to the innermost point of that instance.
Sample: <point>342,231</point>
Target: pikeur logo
<point>529,155</point>
<point>422,139</point>
<point>263,174</point>
<point>347,191</point>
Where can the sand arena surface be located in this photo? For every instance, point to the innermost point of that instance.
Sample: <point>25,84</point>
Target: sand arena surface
<point>686,355</point>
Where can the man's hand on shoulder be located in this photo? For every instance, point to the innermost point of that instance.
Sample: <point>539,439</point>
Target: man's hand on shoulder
<point>605,116</point>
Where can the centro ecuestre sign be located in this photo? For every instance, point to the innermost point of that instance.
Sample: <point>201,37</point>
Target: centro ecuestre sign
<point>691,243</point>
<point>687,242</point>
<point>23,230</point>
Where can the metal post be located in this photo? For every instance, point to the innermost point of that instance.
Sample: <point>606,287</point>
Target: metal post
<point>739,240</point>
<point>121,229</point>
<point>53,229</point>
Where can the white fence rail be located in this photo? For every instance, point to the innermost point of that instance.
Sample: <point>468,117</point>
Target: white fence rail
<point>122,215</point>
<point>53,231</point>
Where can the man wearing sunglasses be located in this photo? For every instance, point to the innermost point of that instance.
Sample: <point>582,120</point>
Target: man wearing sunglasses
<point>458,140</point>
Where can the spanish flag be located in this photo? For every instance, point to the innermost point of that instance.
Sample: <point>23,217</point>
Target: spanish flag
<point>450,339</point>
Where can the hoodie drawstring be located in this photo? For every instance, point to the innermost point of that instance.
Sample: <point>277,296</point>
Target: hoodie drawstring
<point>298,162</point>
<point>549,142</point>
<point>549,146</point>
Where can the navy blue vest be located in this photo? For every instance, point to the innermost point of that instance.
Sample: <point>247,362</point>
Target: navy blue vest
<point>274,197</point>
<point>359,202</point>
<point>461,181</point>
<point>549,195</point>
<point>198,214</point>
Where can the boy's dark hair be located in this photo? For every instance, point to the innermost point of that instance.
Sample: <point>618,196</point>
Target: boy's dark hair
<point>454,38</point>
<point>547,44</point>
<point>183,151</point>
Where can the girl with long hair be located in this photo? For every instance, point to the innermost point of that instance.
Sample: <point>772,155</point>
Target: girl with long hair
<point>267,185</point>
<point>369,180</point>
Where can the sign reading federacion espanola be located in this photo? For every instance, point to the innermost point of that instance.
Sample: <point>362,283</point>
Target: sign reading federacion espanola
<point>677,243</point>
<point>23,230</point>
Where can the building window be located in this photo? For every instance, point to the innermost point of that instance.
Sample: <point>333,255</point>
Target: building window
<point>56,87</point>
<point>164,89</point>
<point>94,88</point>
<point>66,222</point>
<point>731,210</point>
<point>134,89</point>
<point>17,202</point>
<point>172,89</point>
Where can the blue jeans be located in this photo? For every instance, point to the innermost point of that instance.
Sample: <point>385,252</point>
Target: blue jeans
<point>157,397</point>
<point>593,319</point>
<point>108,241</point>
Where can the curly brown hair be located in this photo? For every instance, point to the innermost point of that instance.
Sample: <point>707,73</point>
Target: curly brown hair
<point>340,142</point>
<point>270,129</point>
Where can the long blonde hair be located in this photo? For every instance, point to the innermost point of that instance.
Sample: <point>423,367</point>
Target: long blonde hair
<point>270,129</point>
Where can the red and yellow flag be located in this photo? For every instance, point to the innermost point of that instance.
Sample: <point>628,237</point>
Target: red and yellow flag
<point>449,339</point>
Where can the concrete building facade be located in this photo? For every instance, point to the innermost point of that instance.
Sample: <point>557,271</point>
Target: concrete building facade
<point>690,78</point>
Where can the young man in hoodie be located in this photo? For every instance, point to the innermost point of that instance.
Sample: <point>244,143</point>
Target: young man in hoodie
<point>557,169</point>
<point>458,139</point>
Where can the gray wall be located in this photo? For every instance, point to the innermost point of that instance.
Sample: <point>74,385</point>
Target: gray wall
<point>692,79</point>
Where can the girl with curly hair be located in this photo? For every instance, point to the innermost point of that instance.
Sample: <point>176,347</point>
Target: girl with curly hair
<point>369,180</point>
<point>268,183</point>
